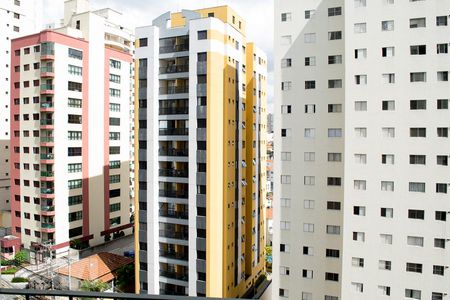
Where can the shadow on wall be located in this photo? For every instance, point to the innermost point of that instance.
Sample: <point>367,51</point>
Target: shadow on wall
<point>4,182</point>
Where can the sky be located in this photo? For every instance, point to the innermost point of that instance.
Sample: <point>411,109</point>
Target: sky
<point>257,13</point>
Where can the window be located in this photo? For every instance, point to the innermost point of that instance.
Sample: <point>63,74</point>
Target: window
<point>285,248</point>
<point>284,270</point>
<point>310,61</point>
<point>415,159</point>
<point>308,227</point>
<point>387,186</point>
<point>361,132</point>
<point>418,50</point>
<point>285,202</point>
<point>309,38</point>
<point>361,158</point>
<point>360,3</point>
<point>75,103</point>
<point>75,70</point>
<point>334,132</point>
<point>74,151</point>
<point>334,11</point>
<point>361,79</point>
<point>74,168</point>
<point>334,59</point>
<point>360,105</point>
<point>309,180</point>
<point>286,40</point>
<point>202,35</point>
<point>442,131</point>
<point>74,119</point>
<point>334,35</point>
<point>310,132</point>
<point>285,225</point>
<point>308,251</point>
<point>310,84</point>
<point>307,296</point>
<point>286,132</point>
<point>310,108</point>
<point>114,92</point>
<point>360,28</point>
<point>417,187</point>
<point>286,156</point>
<point>387,51</point>
<point>359,210</point>
<point>114,78</point>
<point>334,157</point>
<point>361,53</point>
<point>417,132</point>
<point>442,104</point>
<point>359,184</point>
<point>114,107</point>
<point>441,216</point>
<point>307,274</point>
<point>413,267</point>
<point>439,243</point>
<point>74,86</point>
<point>286,109</point>
<point>387,25</point>
<point>75,200</point>
<point>442,160</point>
<point>286,63</point>
<point>417,22</point>
<point>332,253</point>
<point>309,13</point>
<point>442,75</point>
<point>334,83</point>
<point>77,54</point>
<point>308,204</point>
<point>334,181</point>
<point>334,108</point>
<point>389,78</point>
<point>386,212</point>
<point>416,214</point>
<point>285,179</point>
<point>417,104</point>
<point>286,85</point>
<point>284,293</point>
<point>384,265</point>
<point>441,21</point>
<point>418,77</point>
<point>143,42</point>
<point>309,156</point>
<point>333,205</point>
<point>442,48</point>
<point>327,297</point>
<point>331,276</point>
<point>441,188</point>
<point>285,17</point>
<point>114,64</point>
<point>333,229</point>
<point>414,294</point>
<point>114,207</point>
<point>387,159</point>
<point>75,184</point>
<point>384,290</point>
<point>74,135</point>
<point>358,287</point>
<point>437,296</point>
<point>75,216</point>
<point>386,238</point>
<point>114,221</point>
<point>415,241</point>
<point>359,236</point>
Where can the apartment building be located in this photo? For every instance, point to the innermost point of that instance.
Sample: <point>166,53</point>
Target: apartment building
<point>70,150</point>
<point>17,18</point>
<point>201,121</point>
<point>361,135</point>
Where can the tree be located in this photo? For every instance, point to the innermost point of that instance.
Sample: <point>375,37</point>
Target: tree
<point>125,278</point>
<point>94,286</point>
<point>20,258</point>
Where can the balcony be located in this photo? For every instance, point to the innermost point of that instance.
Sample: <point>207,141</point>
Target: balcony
<point>173,194</point>
<point>47,139</point>
<point>46,123</point>
<point>174,69</point>
<point>179,235</point>
<point>47,71</point>
<point>47,191</point>
<point>47,210</point>
<point>173,131</point>
<point>173,173</point>
<point>47,88</point>
<point>48,225</point>
<point>174,275</point>
<point>47,106</point>
<point>174,255</point>
<point>47,174</point>
<point>171,90</point>
<point>173,48</point>
<point>173,152</point>
<point>201,67</point>
<point>48,156</point>
<point>201,89</point>
<point>174,110</point>
<point>174,214</point>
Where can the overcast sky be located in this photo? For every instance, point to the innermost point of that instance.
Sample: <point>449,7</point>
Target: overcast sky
<point>257,13</point>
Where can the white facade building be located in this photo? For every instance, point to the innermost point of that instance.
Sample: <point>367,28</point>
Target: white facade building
<point>17,18</point>
<point>361,135</point>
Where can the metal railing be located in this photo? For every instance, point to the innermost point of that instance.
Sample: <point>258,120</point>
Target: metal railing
<point>48,225</point>
<point>47,174</point>
<point>173,173</point>
<point>174,69</point>
<point>47,208</point>
<point>47,191</point>
<point>174,275</point>
<point>47,69</point>
<point>170,90</point>
<point>173,194</point>
<point>173,110</point>
<point>47,156</point>
<point>173,152</point>
<point>47,87</point>
<point>174,255</point>
<point>173,131</point>
<point>179,235</point>
<point>46,122</point>
<point>174,214</point>
<point>174,48</point>
<point>46,104</point>
<point>47,139</point>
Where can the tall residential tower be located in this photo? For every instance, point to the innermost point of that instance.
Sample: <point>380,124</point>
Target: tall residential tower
<point>361,150</point>
<point>201,114</point>
<point>70,115</point>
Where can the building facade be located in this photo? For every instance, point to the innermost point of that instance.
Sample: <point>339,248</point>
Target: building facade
<point>201,114</point>
<point>362,148</point>
<point>17,18</point>
<point>70,150</point>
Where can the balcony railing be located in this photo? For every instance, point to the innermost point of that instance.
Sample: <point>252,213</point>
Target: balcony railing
<point>173,214</point>
<point>174,255</point>
<point>173,173</point>
<point>47,208</point>
<point>46,104</point>
<point>46,122</point>
<point>47,156</point>
<point>174,69</point>
<point>173,110</point>
<point>174,48</point>
<point>47,174</point>
<point>47,69</point>
<point>47,87</point>
<point>173,131</point>
<point>47,139</point>
<point>201,67</point>
<point>179,235</point>
<point>174,275</point>
<point>173,152</point>
<point>47,191</point>
<point>48,225</point>
<point>173,194</point>
<point>174,90</point>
